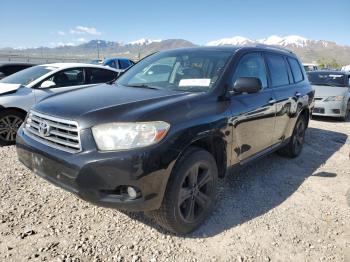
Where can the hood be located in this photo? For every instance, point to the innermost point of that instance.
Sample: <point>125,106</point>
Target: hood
<point>6,88</point>
<point>326,91</point>
<point>106,103</point>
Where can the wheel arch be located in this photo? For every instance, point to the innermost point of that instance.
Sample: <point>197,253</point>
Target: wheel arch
<point>2,109</point>
<point>216,146</point>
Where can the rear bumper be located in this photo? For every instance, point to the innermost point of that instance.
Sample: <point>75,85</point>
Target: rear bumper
<point>99,177</point>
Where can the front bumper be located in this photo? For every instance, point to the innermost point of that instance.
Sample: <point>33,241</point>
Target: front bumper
<point>331,108</point>
<point>98,177</point>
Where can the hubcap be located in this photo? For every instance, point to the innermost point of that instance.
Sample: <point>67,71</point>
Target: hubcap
<point>298,139</point>
<point>9,126</point>
<point>195,193</point>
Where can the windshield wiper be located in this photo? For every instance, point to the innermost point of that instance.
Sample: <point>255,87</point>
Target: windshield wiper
<point>143,86</point>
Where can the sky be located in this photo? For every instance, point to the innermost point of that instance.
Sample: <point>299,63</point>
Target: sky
<point>34,23</point>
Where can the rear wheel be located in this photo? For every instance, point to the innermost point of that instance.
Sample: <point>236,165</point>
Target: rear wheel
<point>295,145</point>
<point>10,121</point>
<point>190,194</point>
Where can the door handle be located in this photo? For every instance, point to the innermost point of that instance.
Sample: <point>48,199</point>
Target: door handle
<point>272,101</point>
<point>297,95</point>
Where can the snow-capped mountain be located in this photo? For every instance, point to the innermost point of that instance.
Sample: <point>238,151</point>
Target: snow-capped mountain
<point>286,41</point>
<point>237,40</point>
<point>144,41</point>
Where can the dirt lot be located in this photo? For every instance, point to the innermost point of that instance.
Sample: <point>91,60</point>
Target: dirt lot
<point>277,209</point>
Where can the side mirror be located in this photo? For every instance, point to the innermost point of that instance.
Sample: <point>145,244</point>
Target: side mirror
<point>47,84</point>
<point>247,85</point>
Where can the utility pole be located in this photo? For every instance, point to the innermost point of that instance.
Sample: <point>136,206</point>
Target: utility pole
<point>98,50</point>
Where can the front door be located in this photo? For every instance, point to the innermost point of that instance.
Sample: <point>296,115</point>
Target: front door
<point>252,115</point>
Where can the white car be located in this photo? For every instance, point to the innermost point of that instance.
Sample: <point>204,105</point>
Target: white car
<point>18,92</point>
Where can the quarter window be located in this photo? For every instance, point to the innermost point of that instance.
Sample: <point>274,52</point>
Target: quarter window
<point>296,70</point>
<point>278,70</point>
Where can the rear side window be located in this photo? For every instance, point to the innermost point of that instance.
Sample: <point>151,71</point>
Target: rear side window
<point>251,65</point>
<point>98,76</point>
<point>296,70</point>
<point>124,64</point>
<point>278,70</point>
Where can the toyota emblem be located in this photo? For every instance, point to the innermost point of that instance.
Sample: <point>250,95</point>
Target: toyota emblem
<point>44,129</point>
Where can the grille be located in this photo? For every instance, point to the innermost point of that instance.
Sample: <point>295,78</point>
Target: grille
<point>55,132</point>
<point>318,98</point>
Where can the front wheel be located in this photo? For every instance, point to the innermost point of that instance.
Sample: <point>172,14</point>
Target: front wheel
<point>295,145</point>
<point>190,193</point>
<point>10,121</point>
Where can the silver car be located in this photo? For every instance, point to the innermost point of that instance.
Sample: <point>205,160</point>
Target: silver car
<point>332,93</point>
<point>18,92</point>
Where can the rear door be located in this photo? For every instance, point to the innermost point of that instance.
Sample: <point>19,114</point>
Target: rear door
<point>253,115</point>
<point>285,78</point>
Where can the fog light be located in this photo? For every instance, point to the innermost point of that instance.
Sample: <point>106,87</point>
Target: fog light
<point>132,192</point>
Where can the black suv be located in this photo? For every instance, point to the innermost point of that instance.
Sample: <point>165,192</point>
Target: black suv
<point>159,138</point>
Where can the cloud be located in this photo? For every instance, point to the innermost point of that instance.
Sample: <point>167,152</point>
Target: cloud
<point>61,32</point>
<point>82,40</point>
<point>82,30</point>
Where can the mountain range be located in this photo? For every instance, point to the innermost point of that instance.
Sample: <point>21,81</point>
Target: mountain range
<point>308,50</point>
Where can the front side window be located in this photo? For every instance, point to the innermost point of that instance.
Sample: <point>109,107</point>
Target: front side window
<point>26,76</point>
<point>70,77</point>
<point>296,70</point>
<point>181,70</point>
<point>251,65</point>
<point>278,70</point>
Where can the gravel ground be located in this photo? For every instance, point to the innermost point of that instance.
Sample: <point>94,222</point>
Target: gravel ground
<point>276,209</point>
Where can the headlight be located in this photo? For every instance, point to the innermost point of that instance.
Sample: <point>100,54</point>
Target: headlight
<point>335,98</point>
<point>123,136</point>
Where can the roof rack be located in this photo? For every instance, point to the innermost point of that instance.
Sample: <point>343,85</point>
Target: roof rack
<point>272,47</point>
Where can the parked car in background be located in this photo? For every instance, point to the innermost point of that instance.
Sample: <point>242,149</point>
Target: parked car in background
<point>118,63</point>
<point>18,92</point>
<point>346,68</point>
<point>160,144</point>
<point>310,67</point>
<point>96,61</point>
<point>332,93</point>
<point>10,68</point>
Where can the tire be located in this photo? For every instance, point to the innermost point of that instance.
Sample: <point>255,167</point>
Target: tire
<point>190,194</point>
<point>295,145</point>
<point>345,117</point>
<point>10,121</point>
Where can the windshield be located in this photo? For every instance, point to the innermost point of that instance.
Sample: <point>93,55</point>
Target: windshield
<point>27,76</point>
<point>183,70</point>
<point>328,79</point>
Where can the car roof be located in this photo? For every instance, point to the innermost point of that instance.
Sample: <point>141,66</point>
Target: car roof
<point>233,49</point>
<point>72,65</point>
